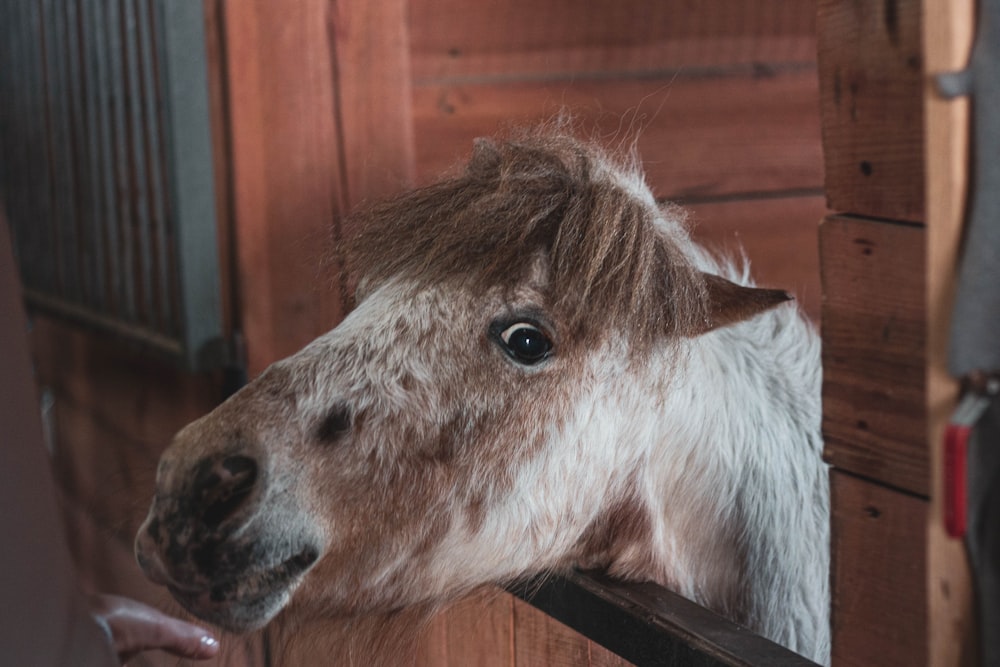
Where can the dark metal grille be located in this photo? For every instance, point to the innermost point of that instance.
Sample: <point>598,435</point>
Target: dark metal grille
<point>106,167</point>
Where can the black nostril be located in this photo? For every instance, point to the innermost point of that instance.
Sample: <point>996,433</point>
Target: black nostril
<point>223,487</point>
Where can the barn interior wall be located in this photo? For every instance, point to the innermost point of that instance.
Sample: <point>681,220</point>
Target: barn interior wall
<point>722,95</point>
<point>873,264</point>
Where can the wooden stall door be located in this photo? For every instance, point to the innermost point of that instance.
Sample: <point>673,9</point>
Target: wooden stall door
<point>872,263</point>
<point>322,106</point>
<point>895,173</point>
<point>334,104</point>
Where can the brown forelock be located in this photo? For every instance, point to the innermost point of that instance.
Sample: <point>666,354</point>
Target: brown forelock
<point>610,268</point>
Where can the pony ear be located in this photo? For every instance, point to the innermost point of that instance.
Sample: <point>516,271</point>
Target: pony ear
<point>729,303</point>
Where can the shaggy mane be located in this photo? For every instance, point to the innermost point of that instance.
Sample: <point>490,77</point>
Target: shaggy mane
<point>611,266</point>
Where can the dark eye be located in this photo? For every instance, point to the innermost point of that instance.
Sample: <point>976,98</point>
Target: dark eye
<point>525,342</point>
<point>336,423</point>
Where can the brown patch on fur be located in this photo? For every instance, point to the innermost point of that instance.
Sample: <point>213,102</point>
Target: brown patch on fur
<point>610,268</point>
<point>621,525</point>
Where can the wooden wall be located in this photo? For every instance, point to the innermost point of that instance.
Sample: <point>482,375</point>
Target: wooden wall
<point>872,261</point>
<point>322,106</point>
<point>885,286</point>
<point>722,96</point>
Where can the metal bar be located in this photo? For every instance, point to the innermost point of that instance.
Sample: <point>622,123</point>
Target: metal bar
<point>160,268</point>
<point>109,220</point>
<point>122,237</point>
<point>11,75</point>
<point>37,208</point>
<point>62,167</point>
<point>79,248</point>
<point>140,205</point>
<point>95,117</point>
<point>51,240</point>
<point>192,188</point>
<point>7,73</point>
<point>18,74</point>
<point>107,168</point>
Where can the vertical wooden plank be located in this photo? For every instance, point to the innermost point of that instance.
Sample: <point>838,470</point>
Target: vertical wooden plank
<point>948,30</point>
<point>480,630</point>
<point>119,238</point>
<point>320,120</point>
<point>286,174</point>
<point>879,603</point>
<point>874,325</point>
<point>870,90</point>
<point>371,49</point>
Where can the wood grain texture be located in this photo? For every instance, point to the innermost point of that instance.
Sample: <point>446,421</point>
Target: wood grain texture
<point>948,31</point>
<point>320,120</point>
<point>371,66</point>
<point>521,39</point>
<point>287,179</point>
<point>495,628</point>
<point>879,600</point>
<point>871,87</point>
<point>873,350</point>
<point>478,630</point>
<point>542,641</point>
<point>697,137</point>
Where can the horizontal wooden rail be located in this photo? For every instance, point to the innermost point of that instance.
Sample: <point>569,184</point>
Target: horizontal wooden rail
<point>650,626</point>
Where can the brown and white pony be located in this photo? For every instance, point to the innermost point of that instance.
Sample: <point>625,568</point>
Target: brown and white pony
<point>542,372</point>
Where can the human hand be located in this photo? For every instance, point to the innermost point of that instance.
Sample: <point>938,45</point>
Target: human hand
<point>136,627</point>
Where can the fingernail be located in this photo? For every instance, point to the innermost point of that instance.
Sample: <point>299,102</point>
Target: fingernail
<point>209,642</point>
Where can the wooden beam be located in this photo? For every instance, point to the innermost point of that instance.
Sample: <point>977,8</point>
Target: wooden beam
<point>879,600</point>
<point>650,626</point>
<point>873,350</point>
<point>870,98</point>
<point>477,630</point>
<point>370,44</point>
<point>286,175</point>
<point>320,120</point>
<point>948,31</point>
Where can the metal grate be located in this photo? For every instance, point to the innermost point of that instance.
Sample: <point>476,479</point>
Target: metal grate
<point>106,168</point>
